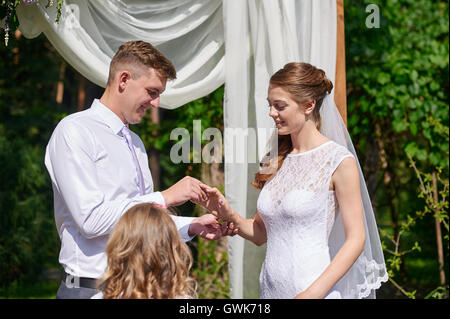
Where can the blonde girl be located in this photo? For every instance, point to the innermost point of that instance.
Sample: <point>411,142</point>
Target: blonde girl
<point>147,257</point>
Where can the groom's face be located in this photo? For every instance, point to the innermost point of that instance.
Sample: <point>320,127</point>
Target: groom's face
<point>141,93</point>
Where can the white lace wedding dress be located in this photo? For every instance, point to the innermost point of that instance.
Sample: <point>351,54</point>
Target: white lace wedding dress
<point>298,211</point>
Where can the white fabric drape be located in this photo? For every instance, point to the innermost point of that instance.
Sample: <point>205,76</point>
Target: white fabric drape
<point>211,42</point>
<point>188,32</point>
<point>260,37</point>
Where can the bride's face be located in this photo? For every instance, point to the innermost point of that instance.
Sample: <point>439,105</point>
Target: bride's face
<point>288,115</point>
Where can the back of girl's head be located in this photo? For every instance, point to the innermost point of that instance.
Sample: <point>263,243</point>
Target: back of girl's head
<point>147,257</point>
<point>305,83</point>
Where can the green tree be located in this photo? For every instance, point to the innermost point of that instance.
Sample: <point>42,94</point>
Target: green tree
<point>398,79</point>
<point>28,239</point>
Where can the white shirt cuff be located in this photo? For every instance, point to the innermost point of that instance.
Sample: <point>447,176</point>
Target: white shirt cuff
<point>155,197</point>
<point>182,224</point>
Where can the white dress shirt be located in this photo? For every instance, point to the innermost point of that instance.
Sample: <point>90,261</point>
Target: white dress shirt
<point>94,183</point>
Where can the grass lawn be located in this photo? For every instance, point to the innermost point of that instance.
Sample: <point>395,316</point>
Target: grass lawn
<point>40,290</point>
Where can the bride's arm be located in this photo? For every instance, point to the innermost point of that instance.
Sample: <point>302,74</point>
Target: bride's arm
<point>348,194</point>
<point>252,229</point>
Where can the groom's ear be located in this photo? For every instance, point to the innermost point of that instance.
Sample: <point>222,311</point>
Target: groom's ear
<point>123,77</point>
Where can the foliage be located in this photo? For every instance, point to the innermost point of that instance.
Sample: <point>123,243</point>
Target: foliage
<point>8,12</point>
<point>38,290</point>
<point>28,238</point>
<point>398,81</point>
<point>429,185</point>
<point>211,267</point>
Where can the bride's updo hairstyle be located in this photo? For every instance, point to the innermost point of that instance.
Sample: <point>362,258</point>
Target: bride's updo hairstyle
<point>305,83</point>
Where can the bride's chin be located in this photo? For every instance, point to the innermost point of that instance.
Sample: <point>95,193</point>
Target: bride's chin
<point>282,132</point>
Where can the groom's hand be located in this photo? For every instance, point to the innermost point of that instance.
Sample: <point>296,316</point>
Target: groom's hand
<point>188,188</point>
<point>206,226</point>
<point>209,227</point>
<point>214,204</point>
<point>229,230</point>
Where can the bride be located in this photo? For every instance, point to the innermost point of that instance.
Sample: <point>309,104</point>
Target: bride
<point>313,211</point>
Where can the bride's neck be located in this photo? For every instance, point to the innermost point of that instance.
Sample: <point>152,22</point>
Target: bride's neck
<point>307,138</point>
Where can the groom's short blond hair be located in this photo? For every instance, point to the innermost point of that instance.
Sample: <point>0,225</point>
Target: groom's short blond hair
<point>134,56</point>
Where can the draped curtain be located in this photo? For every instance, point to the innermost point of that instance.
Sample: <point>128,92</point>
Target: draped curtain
<point>239,43</point>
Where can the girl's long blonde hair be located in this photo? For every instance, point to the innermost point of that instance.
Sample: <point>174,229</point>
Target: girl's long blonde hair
<point>147,257</point>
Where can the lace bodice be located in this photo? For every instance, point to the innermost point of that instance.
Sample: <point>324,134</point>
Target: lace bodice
<point>298,211</point>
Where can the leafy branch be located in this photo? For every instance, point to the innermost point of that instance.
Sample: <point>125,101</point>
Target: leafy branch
<point>428,185</point>
<point>8,13</point>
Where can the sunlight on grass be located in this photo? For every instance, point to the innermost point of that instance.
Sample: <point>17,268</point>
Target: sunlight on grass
<point>39,290</point>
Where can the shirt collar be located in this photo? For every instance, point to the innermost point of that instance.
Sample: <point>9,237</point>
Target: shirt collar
<point>107,116</point>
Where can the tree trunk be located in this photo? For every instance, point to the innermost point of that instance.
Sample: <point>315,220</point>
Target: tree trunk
<point>390,185</point>
<point>155,166</point>
<point>340,96</point>
<point>60,85</point>
<point>387,178</point>
<point>217,175</point>
<point>15,50</point>
<point>371,171</point>
<point>81,93</point>
<point>437,224</point>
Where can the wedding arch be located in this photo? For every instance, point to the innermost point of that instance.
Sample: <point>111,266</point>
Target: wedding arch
<point>211,43</point>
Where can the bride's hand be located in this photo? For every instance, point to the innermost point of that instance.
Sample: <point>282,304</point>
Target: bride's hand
<point>209,203</point>
<point>217,204</point>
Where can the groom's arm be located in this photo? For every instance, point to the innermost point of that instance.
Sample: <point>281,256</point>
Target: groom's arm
<point>70,161</point>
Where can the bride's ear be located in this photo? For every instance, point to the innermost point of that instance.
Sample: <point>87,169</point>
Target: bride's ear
<point>309,107</point>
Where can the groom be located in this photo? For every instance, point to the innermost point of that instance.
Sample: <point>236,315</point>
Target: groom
<point>99,169</point>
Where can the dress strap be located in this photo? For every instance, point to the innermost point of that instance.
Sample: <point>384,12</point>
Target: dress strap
<point>339,154</point>
<point>339,161</point>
